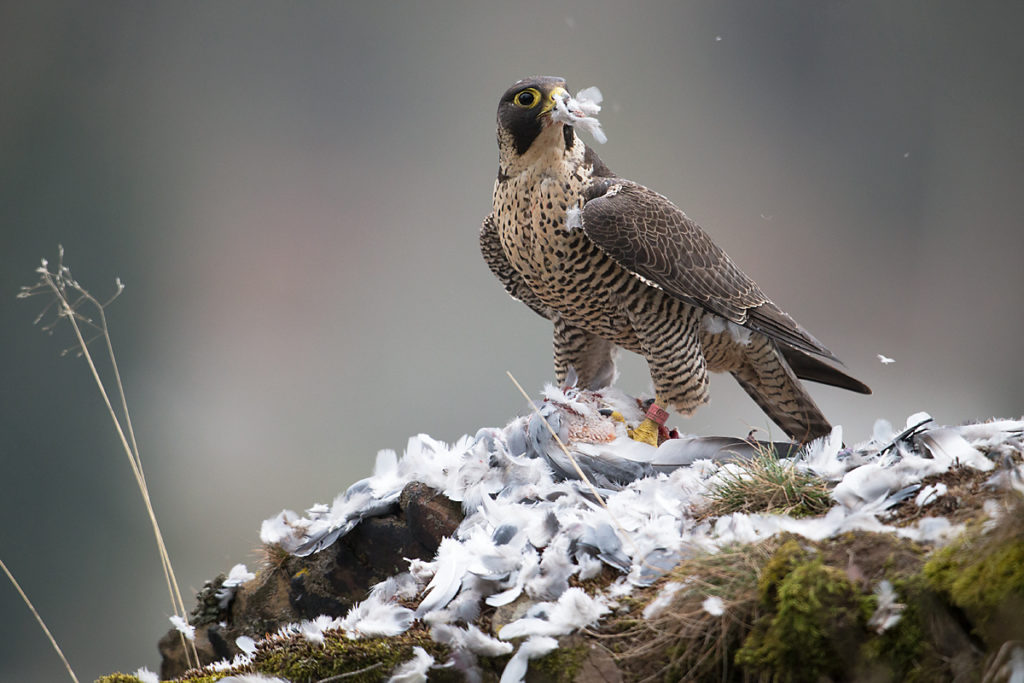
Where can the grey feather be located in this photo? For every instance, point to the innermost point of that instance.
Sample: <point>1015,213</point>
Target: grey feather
<point>687,449</point>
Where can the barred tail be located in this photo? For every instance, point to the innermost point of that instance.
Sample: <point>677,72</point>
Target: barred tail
<point>771,382</point>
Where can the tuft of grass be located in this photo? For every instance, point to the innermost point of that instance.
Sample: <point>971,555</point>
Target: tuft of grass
<point>684,641</point>
<point>87,315</point>
<point>274,556</point>
<point>767,484</point>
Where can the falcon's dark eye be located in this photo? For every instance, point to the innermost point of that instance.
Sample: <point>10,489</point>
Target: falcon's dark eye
<point>527,98</point>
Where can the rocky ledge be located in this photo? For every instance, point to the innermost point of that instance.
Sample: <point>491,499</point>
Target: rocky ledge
<point>901,558</point>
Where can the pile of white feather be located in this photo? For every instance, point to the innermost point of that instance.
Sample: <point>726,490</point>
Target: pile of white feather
<point>531,524</point>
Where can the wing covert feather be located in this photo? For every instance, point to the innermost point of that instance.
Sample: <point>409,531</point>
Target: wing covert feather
<point>651,237</point>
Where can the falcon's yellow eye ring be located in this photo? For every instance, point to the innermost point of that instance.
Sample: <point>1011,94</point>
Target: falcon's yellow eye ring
<point>528,99</point>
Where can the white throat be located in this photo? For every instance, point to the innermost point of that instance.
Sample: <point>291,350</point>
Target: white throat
<point>545,156</point>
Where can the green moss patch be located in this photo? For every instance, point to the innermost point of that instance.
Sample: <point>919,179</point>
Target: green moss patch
<point>814,621</point>
<point>360,661</point>
<point>983,574</point>
<point>561,665</point>
<point>795,610</point>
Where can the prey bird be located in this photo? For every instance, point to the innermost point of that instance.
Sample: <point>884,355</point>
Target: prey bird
<point>613,264</point>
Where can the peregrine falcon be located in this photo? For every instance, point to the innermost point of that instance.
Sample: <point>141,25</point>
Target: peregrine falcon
<point>613,264</point>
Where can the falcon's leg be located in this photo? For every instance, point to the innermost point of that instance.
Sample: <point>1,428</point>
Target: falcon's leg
<point>769,380</point>
<point>670,339</point>
<point>592,357</point>
<point>668,332</point>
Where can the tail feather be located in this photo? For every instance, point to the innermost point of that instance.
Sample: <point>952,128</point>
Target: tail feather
<point>771,382</point>
<point>806,366</point>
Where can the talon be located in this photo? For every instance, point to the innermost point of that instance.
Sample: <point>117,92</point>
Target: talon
<point>613,414</point>
<point>646,432</point>
<point>649,431</point>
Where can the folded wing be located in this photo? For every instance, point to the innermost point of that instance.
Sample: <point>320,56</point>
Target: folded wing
<point>651,237</point>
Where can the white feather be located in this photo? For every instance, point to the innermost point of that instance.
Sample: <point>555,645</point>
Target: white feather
<point>581,112</point>
<point>930,494</point>
<point>376,617</point>
<point>573,219</point>
<point>415,670</point>
<point>713,605</point>
<point>663,600</point>
<point>246,644</point>
<point>146,676</point>
<point>453,560</point>
<point>573,610</point>
<point>185,628</point>
<point>535,646</point>
<point>888,612</point>
<point>521,537</point>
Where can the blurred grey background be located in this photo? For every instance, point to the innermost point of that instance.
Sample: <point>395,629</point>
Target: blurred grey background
<point>292,193</point>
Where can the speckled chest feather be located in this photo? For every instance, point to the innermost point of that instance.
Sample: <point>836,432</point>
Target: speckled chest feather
<point>531,197</point>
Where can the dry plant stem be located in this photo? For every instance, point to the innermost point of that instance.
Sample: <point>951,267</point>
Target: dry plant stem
<point>120,392</point>
<point>133,455</point>
<point>351,674</point>
<point>40,620</point>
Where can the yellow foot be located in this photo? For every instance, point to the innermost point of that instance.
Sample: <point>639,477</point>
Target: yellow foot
<point>647,431</point>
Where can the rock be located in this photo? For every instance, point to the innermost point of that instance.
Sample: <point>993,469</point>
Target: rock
<point>506,614</point>
<point>578,659</point>
<point>290,589</point>
<point>598,667</point>
<point>808,600</point>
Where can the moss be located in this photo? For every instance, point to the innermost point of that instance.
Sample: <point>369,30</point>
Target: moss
<point>814,620</point>
<point>361,661</point>
<point>561,665</point>
<point>905,652</point>
<point>789,555</point>
<point>978,581</point>
<point>132,678</point>
<point>366,660</point>
<point>984,577</point>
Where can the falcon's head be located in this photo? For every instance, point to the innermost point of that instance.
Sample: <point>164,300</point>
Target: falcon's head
<point>524,114</point>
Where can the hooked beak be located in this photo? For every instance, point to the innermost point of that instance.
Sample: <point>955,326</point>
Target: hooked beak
<point>552,99</point>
